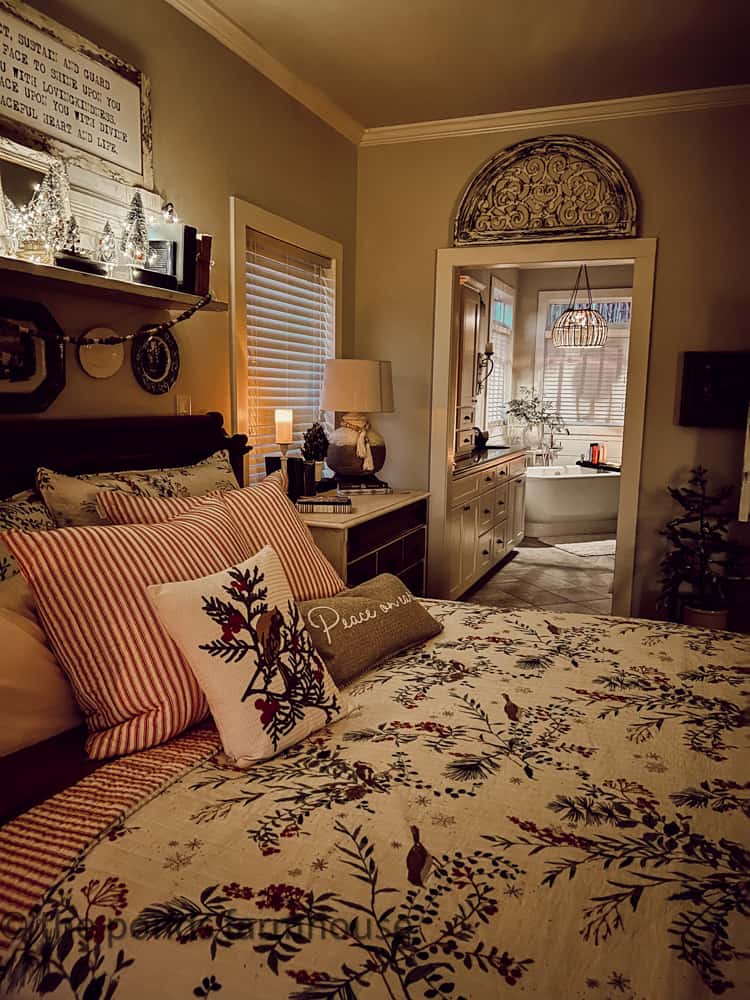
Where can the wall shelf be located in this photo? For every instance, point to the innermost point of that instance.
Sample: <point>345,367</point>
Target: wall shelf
<point>62,279</point>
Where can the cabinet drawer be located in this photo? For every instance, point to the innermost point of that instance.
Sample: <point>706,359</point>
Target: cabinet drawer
<point>413,577</point>
<point>486,511</point>
<point>361,569</point>
<point>485,558</point>
<point>503,472</point>
<point>461,490</point>
<point>517,466</point>
<point>391,557</point>
<point>415,546</point>
<point>379,531</point>
<point>464,440</point>
<point>500,504</point>
<point>465,418</point>
<point>500,541</point>
<point>487,479</point>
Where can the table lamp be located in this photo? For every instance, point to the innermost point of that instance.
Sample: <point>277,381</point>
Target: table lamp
<point>284,420</point>
<point>355,388</point>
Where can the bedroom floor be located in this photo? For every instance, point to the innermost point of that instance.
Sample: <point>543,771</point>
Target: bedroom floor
<point>540,575</point>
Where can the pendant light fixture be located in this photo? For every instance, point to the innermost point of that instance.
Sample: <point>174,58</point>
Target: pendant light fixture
<point>580,325</point>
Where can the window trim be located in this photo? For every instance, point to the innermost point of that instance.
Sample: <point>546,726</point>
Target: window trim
<point>511,293</point>
<point>544,300</point>
<point>243,216</point>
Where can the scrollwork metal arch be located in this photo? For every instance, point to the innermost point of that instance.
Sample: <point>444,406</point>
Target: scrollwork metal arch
<point>558,187</point>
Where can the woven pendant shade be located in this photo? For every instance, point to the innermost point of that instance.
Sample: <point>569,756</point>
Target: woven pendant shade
<point>580,325</point>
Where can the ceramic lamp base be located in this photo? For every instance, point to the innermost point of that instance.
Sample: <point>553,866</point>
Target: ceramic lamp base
<point>342,455</point>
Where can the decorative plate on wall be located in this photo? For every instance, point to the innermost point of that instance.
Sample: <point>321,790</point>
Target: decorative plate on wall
<point>156,361</point>
<point>101,360</point>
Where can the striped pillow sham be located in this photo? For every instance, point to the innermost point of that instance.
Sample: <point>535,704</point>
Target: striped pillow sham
<point>264,515</point>
<point>129,678</point>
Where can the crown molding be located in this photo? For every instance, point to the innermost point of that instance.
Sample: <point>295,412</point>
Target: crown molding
<point>563,114</point>
<point>224,30</point>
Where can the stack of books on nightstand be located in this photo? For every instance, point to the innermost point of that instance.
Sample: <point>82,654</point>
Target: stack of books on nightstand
<point>333,503</point>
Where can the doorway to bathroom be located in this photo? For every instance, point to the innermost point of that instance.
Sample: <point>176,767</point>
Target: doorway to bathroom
<point>580,518</point>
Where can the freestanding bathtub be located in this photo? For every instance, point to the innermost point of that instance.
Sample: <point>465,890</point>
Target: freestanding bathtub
<point>571,500</point>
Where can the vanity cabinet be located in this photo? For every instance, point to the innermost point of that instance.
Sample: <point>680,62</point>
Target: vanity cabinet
<point>469,330</point>
<point>485,520</point>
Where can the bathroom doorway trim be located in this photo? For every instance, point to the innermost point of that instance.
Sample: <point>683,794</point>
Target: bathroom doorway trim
<point>641,253</point>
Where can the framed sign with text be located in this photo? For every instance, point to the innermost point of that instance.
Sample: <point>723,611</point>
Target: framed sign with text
<point>64,95</point>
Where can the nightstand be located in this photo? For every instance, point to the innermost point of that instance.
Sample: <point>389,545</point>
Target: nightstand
<point>382,534</point>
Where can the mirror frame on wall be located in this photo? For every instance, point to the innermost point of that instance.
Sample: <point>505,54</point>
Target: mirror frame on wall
<point>641,253</point>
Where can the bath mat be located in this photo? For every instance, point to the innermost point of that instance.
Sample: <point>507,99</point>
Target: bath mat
<point>602,548</point>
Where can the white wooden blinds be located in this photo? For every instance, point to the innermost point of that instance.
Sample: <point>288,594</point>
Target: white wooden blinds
<point>290,299</point>
<point>588,385</point>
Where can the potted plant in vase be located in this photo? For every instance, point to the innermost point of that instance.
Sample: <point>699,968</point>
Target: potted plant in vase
<point>315,447</point>
<point>700,557</point>
<point>537,418</point>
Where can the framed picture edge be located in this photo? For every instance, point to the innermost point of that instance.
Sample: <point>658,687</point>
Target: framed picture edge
<point>53,383</point>
<point>28,136</point>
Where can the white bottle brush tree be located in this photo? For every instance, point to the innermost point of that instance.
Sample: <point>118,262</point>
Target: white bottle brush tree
<point>134,240</point>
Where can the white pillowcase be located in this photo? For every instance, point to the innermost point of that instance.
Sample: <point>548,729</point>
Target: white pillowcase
<point>246,642</point>
<point>36,700</point>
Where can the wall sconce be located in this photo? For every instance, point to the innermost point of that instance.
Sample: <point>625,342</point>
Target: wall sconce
<point>485,365</point>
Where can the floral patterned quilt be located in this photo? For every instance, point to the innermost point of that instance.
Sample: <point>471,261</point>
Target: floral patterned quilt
<point>549,804</point>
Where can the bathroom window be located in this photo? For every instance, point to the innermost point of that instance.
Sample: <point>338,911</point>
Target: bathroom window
<point>587,386</point>
<point>500,332</point>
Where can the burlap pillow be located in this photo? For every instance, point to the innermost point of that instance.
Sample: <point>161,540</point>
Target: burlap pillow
<point>362,626</point>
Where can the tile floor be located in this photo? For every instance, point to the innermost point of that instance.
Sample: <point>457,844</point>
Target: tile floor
<point>539,575</point>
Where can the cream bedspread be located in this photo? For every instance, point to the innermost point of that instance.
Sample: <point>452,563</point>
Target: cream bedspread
<point>549,804</point>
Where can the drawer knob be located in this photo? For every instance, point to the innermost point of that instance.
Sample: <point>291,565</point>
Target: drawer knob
<point>487,510</point>
<point>501,503</point>
<point>467,417</point>
<point>467,507</point>
<point>485,552</point>
<point>488,479</point>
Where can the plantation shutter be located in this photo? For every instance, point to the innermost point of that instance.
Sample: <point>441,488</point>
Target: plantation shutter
<point>587,385</point>
<point>290,333</point>
<point>498,384</point>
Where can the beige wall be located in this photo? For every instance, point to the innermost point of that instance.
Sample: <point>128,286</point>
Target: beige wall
<point>690,172</point>
<point>220,129</point>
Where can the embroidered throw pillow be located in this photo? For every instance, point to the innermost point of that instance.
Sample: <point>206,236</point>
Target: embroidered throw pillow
<point>362,626</point>
<point>264,515</point>
<point>71,500</point>
<point>128,677</point>
<point>245,640</point>
<point>22,512</point>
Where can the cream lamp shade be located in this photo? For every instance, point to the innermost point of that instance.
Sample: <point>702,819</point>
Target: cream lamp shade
<point>361,386</point>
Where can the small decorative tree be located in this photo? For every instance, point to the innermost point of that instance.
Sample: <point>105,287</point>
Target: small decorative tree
<point>700,555</point>
<point>134,239</point>
<point>315,443</point>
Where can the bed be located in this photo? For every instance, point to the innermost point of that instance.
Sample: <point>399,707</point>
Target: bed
<point>551,804</point>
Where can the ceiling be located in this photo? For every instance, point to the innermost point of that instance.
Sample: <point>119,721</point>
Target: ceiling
<point>387,62</point>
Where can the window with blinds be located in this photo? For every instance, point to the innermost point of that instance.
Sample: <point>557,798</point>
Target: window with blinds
<point>290,297</point>
<point>499,383</point>
<point>588,386</point>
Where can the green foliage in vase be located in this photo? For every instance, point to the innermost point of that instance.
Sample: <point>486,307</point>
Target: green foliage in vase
<point>315,443</point>
<point>530,409</point>
<point>700,556</point>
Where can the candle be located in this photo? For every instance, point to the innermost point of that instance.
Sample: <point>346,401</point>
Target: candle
<point>284,426</point>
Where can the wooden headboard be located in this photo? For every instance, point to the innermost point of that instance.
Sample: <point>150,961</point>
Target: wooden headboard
<point>111,444</point>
